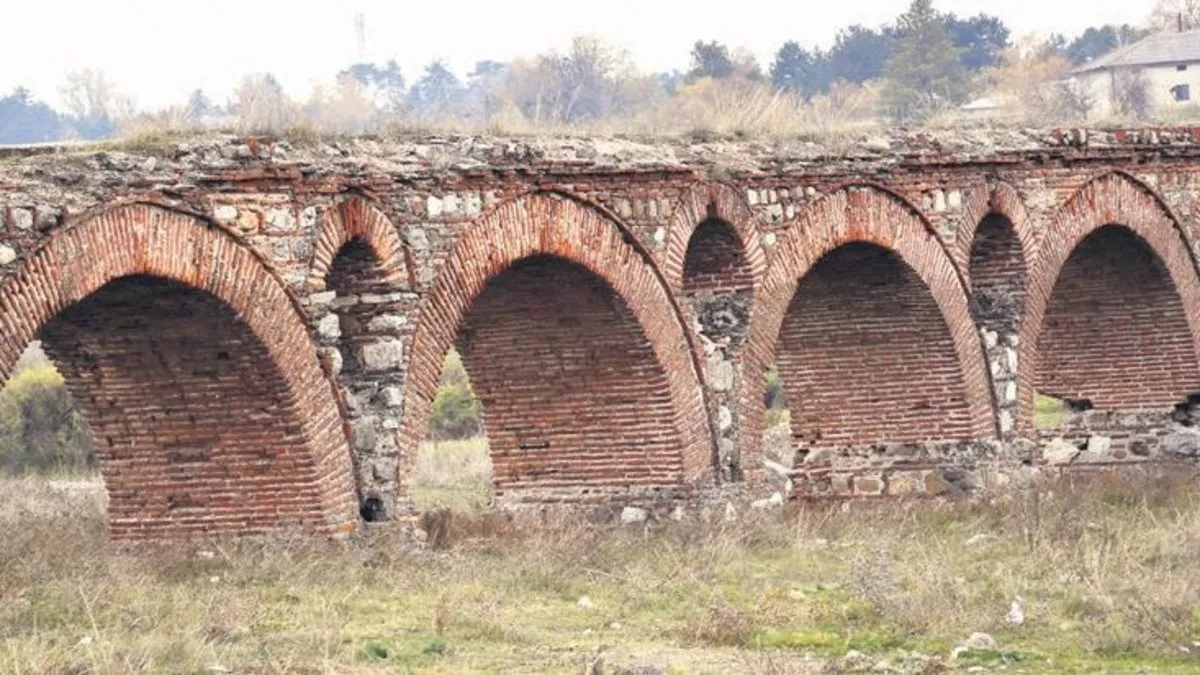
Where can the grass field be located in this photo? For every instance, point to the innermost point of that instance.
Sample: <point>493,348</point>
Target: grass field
<point>1108,578</point>
<point>455,475</point>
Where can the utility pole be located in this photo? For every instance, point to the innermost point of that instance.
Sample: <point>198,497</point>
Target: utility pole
<point>360,36</point>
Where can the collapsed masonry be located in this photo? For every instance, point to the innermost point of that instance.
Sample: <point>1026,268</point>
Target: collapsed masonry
<point>255,329</point>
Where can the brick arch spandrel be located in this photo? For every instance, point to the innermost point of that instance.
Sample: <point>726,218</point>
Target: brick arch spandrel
<point>1001,199</point>
<point>357,218</point>
<point>558,227</point>
<point>719,201</point>
<point>1112,199</point>
<point>143,240</point>
<point>871,216</point>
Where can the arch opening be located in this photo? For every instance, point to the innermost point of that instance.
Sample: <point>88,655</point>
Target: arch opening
<point>865,356</point>
<point>453,469</point>
<point>41,429</point>
<point>573,397</point>
<point>717,295</point>
<point>195,428</point>
<point>715,260</point>
<point>367,324</point>
<point>998,274</point>
<point>1114,335</point>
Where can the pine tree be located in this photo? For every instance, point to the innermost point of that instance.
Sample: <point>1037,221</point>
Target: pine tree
<point>925,73</point>
<point>796,69</point>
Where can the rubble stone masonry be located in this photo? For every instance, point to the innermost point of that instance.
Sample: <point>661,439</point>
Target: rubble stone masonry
<point>255,329</point>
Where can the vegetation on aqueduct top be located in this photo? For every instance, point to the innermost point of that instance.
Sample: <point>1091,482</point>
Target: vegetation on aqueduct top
<point>919,69</point>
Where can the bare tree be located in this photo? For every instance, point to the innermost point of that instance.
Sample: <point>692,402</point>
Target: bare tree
<point>262,106</point>
<point>95,103</point>
<point>344,108</point>
<point>1175,15</point>
<point>1131,94</point>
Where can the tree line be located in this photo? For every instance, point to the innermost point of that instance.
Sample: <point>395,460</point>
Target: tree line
<point>923,63</point>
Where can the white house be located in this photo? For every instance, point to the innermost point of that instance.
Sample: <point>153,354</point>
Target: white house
<point>1167,63</point>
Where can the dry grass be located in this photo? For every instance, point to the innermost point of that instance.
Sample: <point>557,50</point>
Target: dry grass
<point>453,474</point>
<point>1107,575</point>
<point>1048,412</point>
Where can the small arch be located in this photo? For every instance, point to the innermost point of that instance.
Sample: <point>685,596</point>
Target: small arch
<point>191,280</point>
<point>1138,244</point>
<point>997,199</point>
<point>720,216</point>
<point>997,273</point>
<point>356,219</point>
<point>715,260</point>
<point>517,249</point>
<point>867,215</point>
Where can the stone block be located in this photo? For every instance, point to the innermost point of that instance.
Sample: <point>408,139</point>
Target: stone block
<point>868,485</point>
<point>393,397</point>
<point>1059,451</point>
<point>1099,445</point>
<point>280,220</point>
<point>935,484</point>
<point>387,323</point>
<point>1006,422</point>
<point>839,484</point>
<point>7,254</point>
<point>724,418</point>
<point>329,327</point>
<point>383,355</point>
<point>363,430</point>
<point>633,514</point>
<point>322,299</point>
<point>225,213</point>
<point>905,483</point>
<point>22,219</point>
<point>720,372</point>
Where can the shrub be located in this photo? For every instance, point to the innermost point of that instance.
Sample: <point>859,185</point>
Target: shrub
<point>456,413</point>
<point>40,428</point>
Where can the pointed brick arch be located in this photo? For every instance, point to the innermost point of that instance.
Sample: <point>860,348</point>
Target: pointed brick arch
<point>712,201</point>
<point>870,216</point>
<point>550,227</point>
<point>151,250</point>
<point>358,218</point>
<point>999,199</point>
<point>1114,199</point>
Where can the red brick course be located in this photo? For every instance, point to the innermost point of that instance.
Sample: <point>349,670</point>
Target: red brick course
<point>177,376</point>
<point>907,297</point>
<point>710,203</point>
<point>357,218</point>
<point>868,215</point>
<point>997,199</point>
<point>1124,345</point>
<point>645,336</point>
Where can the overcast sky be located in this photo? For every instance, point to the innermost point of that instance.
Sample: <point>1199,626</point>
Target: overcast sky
<point>159,50</point>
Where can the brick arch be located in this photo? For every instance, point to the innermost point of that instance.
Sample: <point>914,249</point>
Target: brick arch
<point>999,199</point>
<point>510,246</point>
<point>1106,206</point>
<point>101,288</point>
<point>865,216</point>
<point>357,218</point>
<point>716,202</point>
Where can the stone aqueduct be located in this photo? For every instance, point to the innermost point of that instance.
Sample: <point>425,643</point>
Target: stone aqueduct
<point>255,331</point>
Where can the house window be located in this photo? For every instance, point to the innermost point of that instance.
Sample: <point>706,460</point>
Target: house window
<point>1181,67</point>
<point>1181,92</point>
